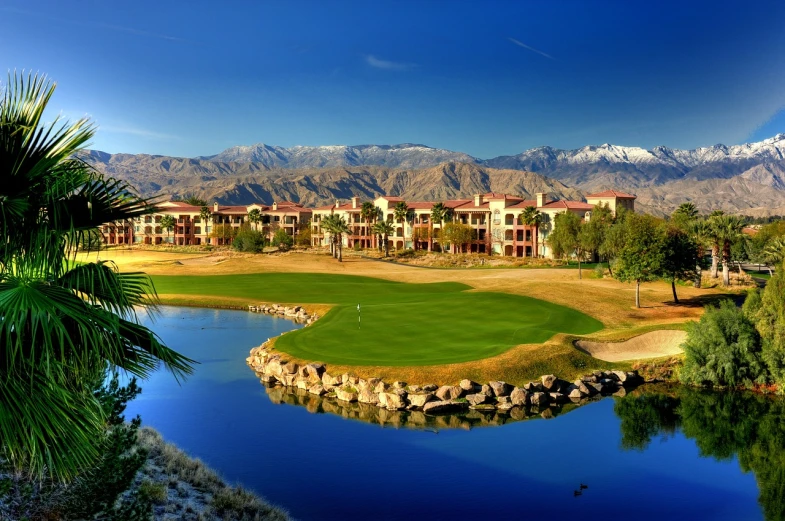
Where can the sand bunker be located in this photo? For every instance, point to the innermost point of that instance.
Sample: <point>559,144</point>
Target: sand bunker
<point>647,345</point>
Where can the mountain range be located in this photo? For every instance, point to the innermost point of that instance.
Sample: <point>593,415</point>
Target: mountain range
<point>748,178</point>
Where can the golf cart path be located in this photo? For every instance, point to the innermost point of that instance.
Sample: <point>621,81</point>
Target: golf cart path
<point>648,345</point>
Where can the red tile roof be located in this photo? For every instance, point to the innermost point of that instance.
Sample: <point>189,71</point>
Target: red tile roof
<point>570,205</point>
<point>613,193</point>
<point>523,204</point>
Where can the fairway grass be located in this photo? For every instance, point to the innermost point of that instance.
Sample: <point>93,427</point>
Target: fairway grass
<point>401,324</point>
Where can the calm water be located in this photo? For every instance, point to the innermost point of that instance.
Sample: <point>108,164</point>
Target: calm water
<point>656,456</point>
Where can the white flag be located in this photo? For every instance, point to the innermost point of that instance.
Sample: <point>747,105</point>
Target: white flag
<point>358,307</point>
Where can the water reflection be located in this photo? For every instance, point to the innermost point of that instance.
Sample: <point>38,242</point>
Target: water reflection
<point>724,426</point>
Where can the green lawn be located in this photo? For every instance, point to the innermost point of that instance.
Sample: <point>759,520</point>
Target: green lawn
<point>402,324</point>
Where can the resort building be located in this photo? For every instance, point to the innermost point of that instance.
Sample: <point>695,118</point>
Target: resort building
<point>190,228</point>
<point>494,218</point>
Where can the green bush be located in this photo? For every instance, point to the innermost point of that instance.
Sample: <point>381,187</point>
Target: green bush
<point>282,240</point>
<point>723,349</point>
<point>249,241</point>
<point>770,320</point>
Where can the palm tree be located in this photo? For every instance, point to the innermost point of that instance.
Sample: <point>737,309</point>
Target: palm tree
<point>774,252</point>
<point>340,227</point>
<point>727,229</point>
<point>61,323</point>
<point>531,216</point>
<point>715,239</point>
<point>255,217</point>
<point>368,212</point>
<point>400,213</point>
<point>438,213</point>
<point>328,226</point>
<point>688,211</point>
<point>385,229</point>
<point>700,230</point>
<point>205,215</point>
<point>168,223</point>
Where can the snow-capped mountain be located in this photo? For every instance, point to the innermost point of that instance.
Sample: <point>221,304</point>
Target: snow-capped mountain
<point>406,155</point>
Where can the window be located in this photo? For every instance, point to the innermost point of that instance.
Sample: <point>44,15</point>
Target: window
<point>509,219</point>
<point>497,217</point>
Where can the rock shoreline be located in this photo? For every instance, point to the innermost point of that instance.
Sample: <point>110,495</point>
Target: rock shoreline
<point>296,313</point>
<point>274,369</point>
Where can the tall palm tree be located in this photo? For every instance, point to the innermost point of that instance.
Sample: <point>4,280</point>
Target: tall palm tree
<point>715,239</point>
<point>205,215</point>
<point>687,210</point>
<point>368,212</point>
<point>385,229</point>
<point>438,213</point>
<point>340,227</point>
<point>774,252</point>
<point>328,226</point>
<point>168,223</point>
<point>255,217</point>
<point>727,229</point>
<point>531,216</point>
<point>61,323</point>
<point>400,213</point>
<point>701,233</point>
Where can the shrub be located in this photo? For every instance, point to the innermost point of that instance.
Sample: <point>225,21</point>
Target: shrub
<point>770,321</point>
<point>249,241</point>
<point>282,240</point>
<point>723,349</point>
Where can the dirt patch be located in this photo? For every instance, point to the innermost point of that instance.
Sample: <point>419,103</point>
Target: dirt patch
<point>648,345</point>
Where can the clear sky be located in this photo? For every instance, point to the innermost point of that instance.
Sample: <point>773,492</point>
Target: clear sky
<point>487,78</point>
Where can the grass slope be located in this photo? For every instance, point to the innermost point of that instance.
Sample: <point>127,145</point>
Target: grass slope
<point>402,324</point>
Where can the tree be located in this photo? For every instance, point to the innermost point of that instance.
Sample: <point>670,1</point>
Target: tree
<point>715,239</point>
<point>195,201</point>
<point>255,217</point>
<point>641,256</point>
<point>770,322</point>
<point>726,230</point>
<point>249,241</point>
<point>205,215</point>
<point>774,253</point>
<point>303,237</point>
<point>531,216</point>
<point>368,212</point>
<point>224,232</point>
<point>594,231</point>
<point>438,213</point>
<point>700,231</point>
<point>385,229</point>
<point>283,240</point>
<point>340,227</point>
<point>61,323</point>
<point>458,235</point>
<point>615,238</point>
<point>568,238</point>
<point>723,349</point>
<point>400,213</point>
<point>329,226</point>
<point>680,257</point>
<point>168,223</point>
<point>684,215</point>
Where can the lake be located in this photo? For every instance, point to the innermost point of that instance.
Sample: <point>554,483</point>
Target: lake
<point>665,453</point>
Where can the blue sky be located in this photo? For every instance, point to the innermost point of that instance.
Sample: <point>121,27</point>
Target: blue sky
<point>487,78</point>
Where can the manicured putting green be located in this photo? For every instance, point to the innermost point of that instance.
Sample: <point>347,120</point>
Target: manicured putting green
<point>401,324</point>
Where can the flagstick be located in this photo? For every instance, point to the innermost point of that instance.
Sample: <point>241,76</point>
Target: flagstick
<point>358,316</point>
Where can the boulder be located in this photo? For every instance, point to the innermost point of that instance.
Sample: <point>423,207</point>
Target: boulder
<point>301,382</point>
<point>487,391</point>
<point>519,397</point>
<point>287,379</point>
<point>346,394</point>
<point>548,381</point>
<point>413,389</point>
<point>331,381</point>
<point>532,387</point>
<point>576,394</point>
<point>268,379</point>
<point>430,387</point>
<point>367,396</point>
<point>445,406</point>
<point>503,400</point>
<point>274,367</point>
<point>380,387</point>
<point>558,397</point>
<point>349,379</point>
<point>317,389</point>
<point>419,399</point>
<point>500,388</point>
<point>469,386</point>
<point>392,401</point>
<point>449,392</point>
<point>540,399</point>
<point>399,385</point>
<point>478,398</point>
<point>621,391</point>
<point>598,388</point>
<point>583,388</point>
<point>621,376</point>
<point>314,370</point>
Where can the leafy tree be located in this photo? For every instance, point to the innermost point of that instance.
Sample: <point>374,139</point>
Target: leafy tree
<point>384,229</point>
<point>61,323</point>
<point>249,241</point>
<point>283,240</point>
<point>255,217</point>
<point>700,231</point>
<point>304,234</point>
<point>458,234</point>
<point>595,230</point>
<point>726,230</point>
<point>770,321</point>
<point>224,232</point>
<point>641,255</point>
<point>723,349</point>
<point>615,238</point>
<point>401,213</point>
<point>531,216</point>
<point>568,238</point>
<point>680,257</point>
<point>168,223</point>
<point>715,239</point>
<point>646,416</point>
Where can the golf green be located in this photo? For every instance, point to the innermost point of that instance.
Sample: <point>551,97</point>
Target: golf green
<point>398,324</point>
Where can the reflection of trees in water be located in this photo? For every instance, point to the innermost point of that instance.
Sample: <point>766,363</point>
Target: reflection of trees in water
<point>723,425</point>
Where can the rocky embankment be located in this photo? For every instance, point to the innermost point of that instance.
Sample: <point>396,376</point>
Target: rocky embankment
<point>274,369</point>
<point>295,313</point>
